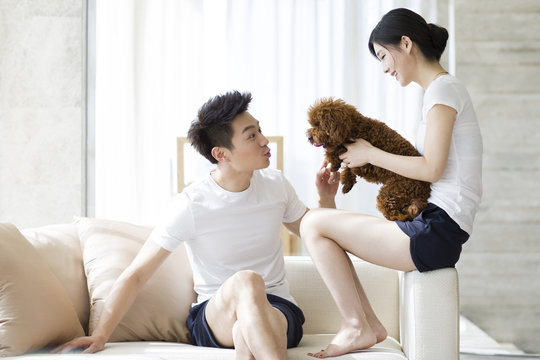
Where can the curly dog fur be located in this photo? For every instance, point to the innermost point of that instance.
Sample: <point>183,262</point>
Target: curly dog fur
<point>335,123</point>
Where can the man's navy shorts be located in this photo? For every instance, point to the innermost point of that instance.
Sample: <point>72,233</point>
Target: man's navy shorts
<point>201,335</point>
<point>436,239</point>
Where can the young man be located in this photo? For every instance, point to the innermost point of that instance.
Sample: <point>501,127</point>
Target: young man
<point>230,223</point>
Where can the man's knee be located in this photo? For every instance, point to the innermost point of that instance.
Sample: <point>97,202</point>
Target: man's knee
<point>248,283</point>
<point>243,287</point>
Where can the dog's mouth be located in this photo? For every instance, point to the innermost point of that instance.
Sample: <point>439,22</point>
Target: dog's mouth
<point>312,141</point>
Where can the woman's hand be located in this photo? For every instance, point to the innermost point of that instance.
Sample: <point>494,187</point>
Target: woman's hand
<point>88,345</point>
<point>327,183</point>
<point>357,153</point>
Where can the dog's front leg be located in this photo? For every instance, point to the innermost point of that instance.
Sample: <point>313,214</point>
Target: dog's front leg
<point>334,160</point>
<point>348,179</point>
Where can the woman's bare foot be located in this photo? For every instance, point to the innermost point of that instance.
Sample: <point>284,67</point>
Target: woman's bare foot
<point>349,339</point>
<point>379,330</point>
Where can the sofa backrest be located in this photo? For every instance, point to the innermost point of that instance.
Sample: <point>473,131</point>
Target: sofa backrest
<point>322,317</point>
<point>59,245</point>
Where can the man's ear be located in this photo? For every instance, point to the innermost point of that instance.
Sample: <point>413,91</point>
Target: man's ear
<point>221,154</point>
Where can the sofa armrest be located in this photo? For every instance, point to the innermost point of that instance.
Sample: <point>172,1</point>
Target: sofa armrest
<point>429,314</point>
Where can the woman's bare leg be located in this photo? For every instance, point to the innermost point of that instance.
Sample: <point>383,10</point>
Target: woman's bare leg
<point>373,320</point>
<point>328,234</point>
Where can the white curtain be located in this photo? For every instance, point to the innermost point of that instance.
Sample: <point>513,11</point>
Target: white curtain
<point>158,61</point>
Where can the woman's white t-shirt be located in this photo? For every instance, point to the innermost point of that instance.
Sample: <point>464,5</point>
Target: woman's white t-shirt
<point>459,190</point>
<point>225,232</point>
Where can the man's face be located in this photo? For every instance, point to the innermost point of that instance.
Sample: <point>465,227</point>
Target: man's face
<point>251,151</point>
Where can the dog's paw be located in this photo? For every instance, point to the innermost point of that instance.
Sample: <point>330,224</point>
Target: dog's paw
<point>346,188</point>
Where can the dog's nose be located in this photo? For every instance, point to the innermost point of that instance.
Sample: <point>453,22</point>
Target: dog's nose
<point>310,139</point>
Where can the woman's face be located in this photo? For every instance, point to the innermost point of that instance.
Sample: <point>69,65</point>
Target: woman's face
<point>395,61</point>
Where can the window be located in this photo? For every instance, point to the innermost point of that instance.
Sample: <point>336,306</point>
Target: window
<point>157,62</point>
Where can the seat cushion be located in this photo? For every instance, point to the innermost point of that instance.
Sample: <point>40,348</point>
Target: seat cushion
<point>389,349</point>
<point>161,307</point>
<point>386,350</point>
<point>35,310</point>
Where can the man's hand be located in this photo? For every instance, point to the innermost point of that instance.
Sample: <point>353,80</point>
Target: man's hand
<point>327,183</point>
<point>120,299</point>
<point>88,345</point>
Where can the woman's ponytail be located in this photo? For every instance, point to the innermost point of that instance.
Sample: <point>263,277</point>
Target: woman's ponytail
<point>439,37</point>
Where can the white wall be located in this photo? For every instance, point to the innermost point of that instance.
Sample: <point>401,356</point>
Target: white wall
<point>41,111</point>
<point>498,57</point>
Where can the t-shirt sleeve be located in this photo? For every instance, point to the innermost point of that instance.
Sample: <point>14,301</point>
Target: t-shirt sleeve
<point>295,208</point>
<point>442,93</point>
<point>177,224</point>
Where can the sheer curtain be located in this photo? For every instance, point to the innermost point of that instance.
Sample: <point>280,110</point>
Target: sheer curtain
<point>158,61</point>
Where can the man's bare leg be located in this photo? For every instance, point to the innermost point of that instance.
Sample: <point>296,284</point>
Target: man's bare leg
<point>240,309</point>
<point>241,349</point>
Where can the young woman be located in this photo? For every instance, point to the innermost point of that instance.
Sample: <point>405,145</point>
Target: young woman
<point>450,145</point>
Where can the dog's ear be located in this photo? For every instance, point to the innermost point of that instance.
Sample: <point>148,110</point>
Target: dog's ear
<point>333,127</point>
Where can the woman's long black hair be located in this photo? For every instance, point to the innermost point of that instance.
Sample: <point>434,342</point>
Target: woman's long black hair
<point>430,38</point>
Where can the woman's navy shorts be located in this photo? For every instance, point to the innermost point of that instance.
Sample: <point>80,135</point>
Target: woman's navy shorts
<point>201,335</point>
<point>436,239</point>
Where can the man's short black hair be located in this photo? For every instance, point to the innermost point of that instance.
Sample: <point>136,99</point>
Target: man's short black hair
<point>212,127</point>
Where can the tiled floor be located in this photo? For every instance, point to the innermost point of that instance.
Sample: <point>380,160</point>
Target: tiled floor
<point>498,357</point>
<point>477,345</point>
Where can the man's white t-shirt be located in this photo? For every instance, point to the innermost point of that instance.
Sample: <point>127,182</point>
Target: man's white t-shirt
<point>225,232</point>
<point>459,190</point>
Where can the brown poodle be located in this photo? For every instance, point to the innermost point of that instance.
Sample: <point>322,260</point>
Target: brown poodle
<point>335,123</point>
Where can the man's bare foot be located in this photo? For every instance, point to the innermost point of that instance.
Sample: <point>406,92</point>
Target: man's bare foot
<point>348,339</point>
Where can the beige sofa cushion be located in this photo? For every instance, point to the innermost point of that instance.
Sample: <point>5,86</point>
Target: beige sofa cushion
<point>35,310</point>
<point>160,309</point>
<point>60,247</point>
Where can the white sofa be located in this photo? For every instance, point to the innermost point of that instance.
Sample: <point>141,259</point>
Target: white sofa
<point>419,310</point>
